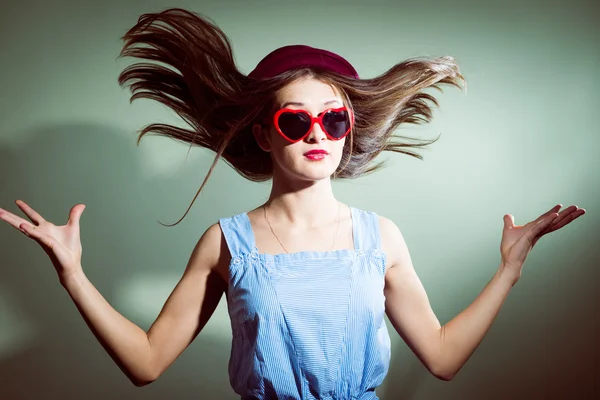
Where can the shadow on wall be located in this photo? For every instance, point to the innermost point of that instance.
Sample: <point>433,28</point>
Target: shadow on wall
<point>544,342</point>
<point>46,351</point>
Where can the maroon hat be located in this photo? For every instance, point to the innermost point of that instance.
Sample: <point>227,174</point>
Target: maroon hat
<point>299,56</point>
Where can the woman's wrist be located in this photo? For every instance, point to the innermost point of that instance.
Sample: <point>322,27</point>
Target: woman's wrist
<point>507,276</point>
<point>73,279</point>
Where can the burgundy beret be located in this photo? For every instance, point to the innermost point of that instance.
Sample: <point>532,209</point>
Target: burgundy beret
<point>299,56</point>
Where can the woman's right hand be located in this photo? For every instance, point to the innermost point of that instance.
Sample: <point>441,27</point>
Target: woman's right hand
<point>61,243</point>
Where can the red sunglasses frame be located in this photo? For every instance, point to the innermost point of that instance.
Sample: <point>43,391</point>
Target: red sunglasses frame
<point>318,119</point>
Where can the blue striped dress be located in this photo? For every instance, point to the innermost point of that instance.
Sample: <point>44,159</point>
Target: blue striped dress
<point>307,325</point>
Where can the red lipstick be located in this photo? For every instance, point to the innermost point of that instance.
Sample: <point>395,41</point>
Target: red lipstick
<point>317,154</point>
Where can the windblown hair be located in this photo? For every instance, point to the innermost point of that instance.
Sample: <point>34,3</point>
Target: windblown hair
<point>220,103</point>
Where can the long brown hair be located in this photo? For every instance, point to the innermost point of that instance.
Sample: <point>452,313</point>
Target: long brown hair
<point>203,85</point>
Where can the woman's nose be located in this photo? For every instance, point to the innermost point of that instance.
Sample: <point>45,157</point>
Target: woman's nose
<point>316,133</point>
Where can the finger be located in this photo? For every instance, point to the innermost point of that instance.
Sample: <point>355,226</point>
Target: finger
<point>564,213</point>
<point>566,219</point>
<point>509,221</point>
<point>12,219</point>
<point>75,214</point>
<point>542,225</point>
<point>30,212</point>
<point>549,212</point>
<point>32,231</point>
<point>533,223</point>
<point>547,229</point>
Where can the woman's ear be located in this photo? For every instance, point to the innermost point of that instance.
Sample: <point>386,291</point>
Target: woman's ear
<point>261,134</point>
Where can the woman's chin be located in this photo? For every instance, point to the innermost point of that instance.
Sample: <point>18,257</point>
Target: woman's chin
<point>310,172</point>
<point>319,175</point>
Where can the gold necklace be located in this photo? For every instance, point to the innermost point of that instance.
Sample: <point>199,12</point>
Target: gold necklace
<point>334,236</point>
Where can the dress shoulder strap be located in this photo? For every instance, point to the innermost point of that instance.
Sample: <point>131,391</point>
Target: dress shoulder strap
<point>238,234</point>
<point>366,229</point>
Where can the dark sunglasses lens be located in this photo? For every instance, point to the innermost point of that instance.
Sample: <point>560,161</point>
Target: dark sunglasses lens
<point>337,123</point>
<point>294,125</point>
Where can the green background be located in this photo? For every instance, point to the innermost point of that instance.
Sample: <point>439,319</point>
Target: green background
<point>523,138</point>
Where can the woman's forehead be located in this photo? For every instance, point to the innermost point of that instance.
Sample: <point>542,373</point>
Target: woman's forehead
<point>308,91</point>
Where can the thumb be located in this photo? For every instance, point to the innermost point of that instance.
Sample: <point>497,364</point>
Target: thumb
<point>509,221</point>
<point>75,214</point>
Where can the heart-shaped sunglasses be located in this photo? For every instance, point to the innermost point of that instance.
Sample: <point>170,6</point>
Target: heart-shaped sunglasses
<point>294,125</point>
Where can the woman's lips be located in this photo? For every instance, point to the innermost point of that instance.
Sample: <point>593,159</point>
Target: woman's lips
<point>315,156</point>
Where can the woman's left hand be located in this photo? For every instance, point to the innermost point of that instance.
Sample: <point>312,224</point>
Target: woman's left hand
<point>517,240</point>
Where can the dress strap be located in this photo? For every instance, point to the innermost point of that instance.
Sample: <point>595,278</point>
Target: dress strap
<point>238,234</point>
<point>365,227</point>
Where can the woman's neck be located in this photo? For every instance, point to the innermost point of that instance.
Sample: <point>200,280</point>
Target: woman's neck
<point>303,206</point>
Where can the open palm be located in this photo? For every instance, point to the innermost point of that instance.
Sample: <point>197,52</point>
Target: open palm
<point>518,240</point>
<point>61,243</point>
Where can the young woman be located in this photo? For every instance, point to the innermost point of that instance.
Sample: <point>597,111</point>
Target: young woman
<point>307,278</point>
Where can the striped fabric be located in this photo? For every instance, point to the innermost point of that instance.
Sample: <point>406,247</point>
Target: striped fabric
<point>307,325</point>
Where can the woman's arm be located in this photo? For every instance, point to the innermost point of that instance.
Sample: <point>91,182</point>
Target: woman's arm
<point>442,349</point>
<point>142,356</point>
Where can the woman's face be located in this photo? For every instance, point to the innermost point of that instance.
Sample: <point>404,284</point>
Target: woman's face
<point>290,159</point>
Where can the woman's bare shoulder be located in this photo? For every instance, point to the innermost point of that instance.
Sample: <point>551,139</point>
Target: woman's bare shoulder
<point>392,242</point>
<point>212,252</point>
